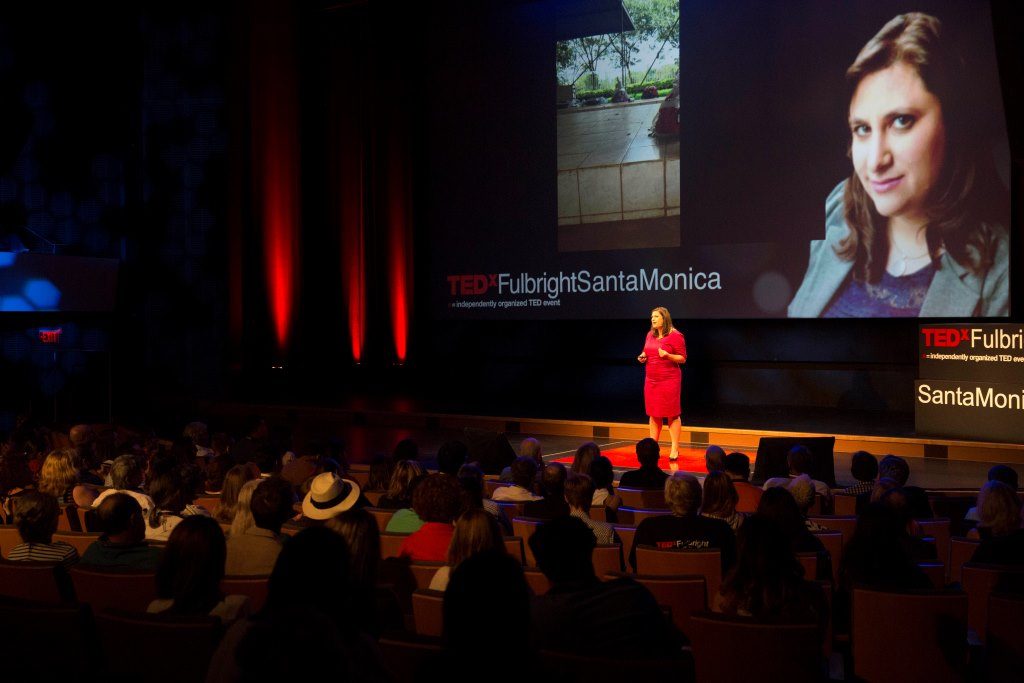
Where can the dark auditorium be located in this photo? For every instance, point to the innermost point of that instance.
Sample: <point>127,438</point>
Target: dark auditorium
<point>512,340</point>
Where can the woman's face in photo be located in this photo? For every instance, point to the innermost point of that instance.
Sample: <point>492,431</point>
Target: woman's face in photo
<point>898,140</point>
<point>656,320</point>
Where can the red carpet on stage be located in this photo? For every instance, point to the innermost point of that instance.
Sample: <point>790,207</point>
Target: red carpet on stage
<point>691,458</point>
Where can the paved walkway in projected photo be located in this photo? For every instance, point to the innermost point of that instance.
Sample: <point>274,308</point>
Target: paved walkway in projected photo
<point>610,169</point>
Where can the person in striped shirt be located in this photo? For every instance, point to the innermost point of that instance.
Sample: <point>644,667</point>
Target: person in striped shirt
<point>35,515</point>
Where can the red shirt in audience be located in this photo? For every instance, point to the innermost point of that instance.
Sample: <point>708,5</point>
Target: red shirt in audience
<point>429,544</point>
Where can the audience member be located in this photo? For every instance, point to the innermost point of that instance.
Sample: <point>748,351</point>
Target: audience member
<point>122,542</point>
<point>188,577</point>
<point>243,509</point>
<point>896,468</point>
<point>381,469</point>
<point>552,485</point>
<point>684,528</point>
<point>171,503</point>
<point>876,557</point>
<point>714,459</point>
<point>528,448</point>
<point>126,477</point>
<point>767,582</point>
<point>35,516</point>
<point>406,520</point>
<point>603,476</point>
<point>1002,473</point>
<point>648,475</point>
<point>864,468</point>
<point>307,628</point>
<point>406,449</point>
<point>475,532</point>
<point>451,456</point>
<point>1002,540</point>
<point>60,478</point>
<point>329,495</point>
<point>471,478</point>
<point>475,640</point>
<point>579,492</point>
<point>737,466</point>
<point>255,550</point>
<point>216,469</point>
<point>399,493</point>
<point>234,480</point>
<point>913,539</point>
<point>585,455</point>
<point>591,618</point>
<point>800,460</point>
<point>778,505</point>
<point>720,498</point>
<point>199,435</point>
<point>438,501</point>
<point>524,471</point>
<point>376,607</point>
<point>802,490</point>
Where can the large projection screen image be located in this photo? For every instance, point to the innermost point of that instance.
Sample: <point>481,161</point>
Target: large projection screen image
<point>617,129</point>
<point>737,159</point>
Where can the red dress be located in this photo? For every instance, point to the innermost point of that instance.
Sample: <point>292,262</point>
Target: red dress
<point>664,381</point>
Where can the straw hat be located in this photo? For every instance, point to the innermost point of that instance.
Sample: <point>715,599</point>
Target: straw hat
<point>329,495</point>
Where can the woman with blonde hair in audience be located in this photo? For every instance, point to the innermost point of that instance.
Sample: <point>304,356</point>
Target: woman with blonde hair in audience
<point>243,519</point>
<point>475,531</point>
<point>236,477</point>
<point>1002,539</point>
<point>399,493</point>
<point>584,457</point>
<point>720,500</point>
<point>59,477</point>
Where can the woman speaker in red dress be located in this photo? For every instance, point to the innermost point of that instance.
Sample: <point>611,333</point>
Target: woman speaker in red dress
<point>664,351</point>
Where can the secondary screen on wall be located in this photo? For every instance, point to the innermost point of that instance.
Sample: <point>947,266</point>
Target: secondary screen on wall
<point>723,159</point>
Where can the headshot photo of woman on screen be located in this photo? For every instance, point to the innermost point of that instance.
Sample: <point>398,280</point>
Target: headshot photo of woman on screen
<point>920,227</point>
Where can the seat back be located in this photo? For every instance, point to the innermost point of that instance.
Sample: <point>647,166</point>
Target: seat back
<point>684,595</point>
<point>645,499</point>
<point>524,527</point>
<point>391,544</point>
<point>253,587</point>
<point>833,542</point>
<point>67,513</point>
<point>423,573</point>
<point>511,510</point>
<point>1005,637</point>
<point>492,485</point>
<point>208,503</point>
<point>935,571</point>
<point>750,497</point>
<point>61,638</point>
<point>770,652</point>
<point>979,581</point>
<point>626,533</point>
<point>133,642</point>
<point>607,559</point>
<point>514,547</point>
<point>9,537</point>
<point>407,660</point>
<point>598,513</point>
<point>360,474</point>
<point>633,516</point>
<point>43,582</point>
<point>932,631</point>
<point>961,550</point>
<point>844,505</point>
<point>939,530</point>
<point>428,612</point>
<point>570,668</point>
<point>842,523</point>
<point>706,563</point>
<point>104,588</point>
<point>373,496</point>
<point>79,539</point>
<point>536,580</point>
<point>809,561</point>
<point>87,520</point>
<point>382,515</point>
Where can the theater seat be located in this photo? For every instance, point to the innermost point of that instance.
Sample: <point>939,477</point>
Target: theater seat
<point>979,581</point>
<point>104,588</point>
<point>729,649</point>
<point>706,563</point>
<point>920,636</point>
<point>570,668</point>
<point>684,595</point>
<point>382,515</point>
<point>43,582</point>
<point>168,648</point>
<point>428,612</point>
<point>47,642</point>
<point>254,587</point>
<point>80,540</point>
<point>1005,637</point>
